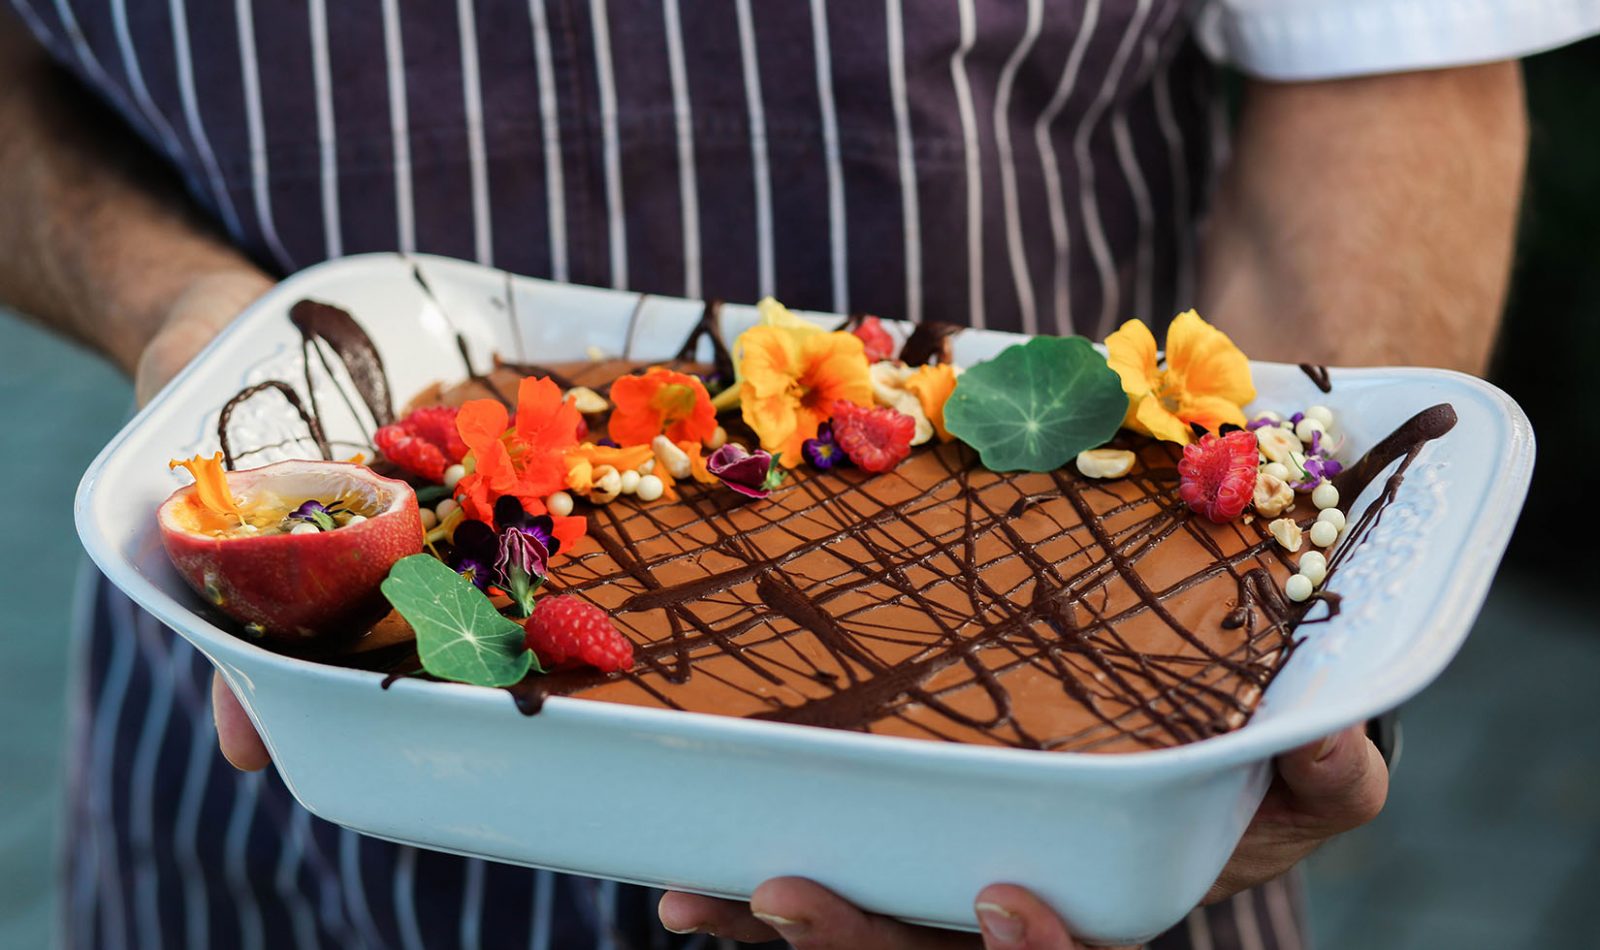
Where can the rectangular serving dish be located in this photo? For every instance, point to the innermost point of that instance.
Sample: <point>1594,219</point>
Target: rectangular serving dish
<point>1122,845</point>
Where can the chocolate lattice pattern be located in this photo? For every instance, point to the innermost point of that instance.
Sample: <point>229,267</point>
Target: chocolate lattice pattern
<point>944,601</point>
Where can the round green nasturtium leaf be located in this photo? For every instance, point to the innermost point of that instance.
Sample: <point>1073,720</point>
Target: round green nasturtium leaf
<point>1037,405</point>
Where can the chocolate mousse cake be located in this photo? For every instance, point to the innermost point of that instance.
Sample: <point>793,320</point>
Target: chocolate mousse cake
<point>939,599</point>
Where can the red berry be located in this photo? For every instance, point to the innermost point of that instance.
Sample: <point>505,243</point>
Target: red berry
<point>875,439</point>
<point>424,443</point>
<point>877,341</point>
<point>1217,475</point>
<point>565,630</point>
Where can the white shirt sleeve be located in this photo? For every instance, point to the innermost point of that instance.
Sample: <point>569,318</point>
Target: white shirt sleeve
<point>1326,39</point>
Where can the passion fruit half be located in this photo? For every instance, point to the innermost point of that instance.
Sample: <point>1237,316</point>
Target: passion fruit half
<point>295,587</point>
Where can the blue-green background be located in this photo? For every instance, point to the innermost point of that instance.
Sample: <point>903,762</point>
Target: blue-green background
<point>1492,834</point>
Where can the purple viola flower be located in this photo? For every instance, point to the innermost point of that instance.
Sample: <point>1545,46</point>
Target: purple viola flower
<point>1295,419</point>
<point>509,514</point>
<point>521,550</point>
<point>744,472</point>
<point>313,513</point>
<point>822,452</point>
<point>520,566</point>
<point>1316,442</point>
<point>1260,422</point>
<point>474,550</point>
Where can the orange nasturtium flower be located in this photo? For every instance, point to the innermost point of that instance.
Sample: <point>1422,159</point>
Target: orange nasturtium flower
<point>526,460</point>
<point>661,401</point>
<point>1206,379</point>
<point>584,459</point>
<point>792,377</point>
<point>932,385</point>
<point>212,502</point>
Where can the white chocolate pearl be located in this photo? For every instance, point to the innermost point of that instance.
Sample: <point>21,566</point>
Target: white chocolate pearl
<point>1323,534</point>
<point>1298,588</point>
<point>355,519</point>
<point>1332,516</point>
<point>429,519</point>
<point>650,488</point>
<point>1325,496</point>
<point>630,482</point>
<point>1306,426</point>
<point>454,474</point>
<point>1322,414</point>
<point>1277,470</point>
<point>560,504</point>
<point>1314,566</point>
<point>444,508</point>
<point>304,527</point>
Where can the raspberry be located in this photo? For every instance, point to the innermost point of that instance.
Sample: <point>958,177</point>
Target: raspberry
<point>565,630</point>
<point>879,344</point>
<point>424,443</point>
<point>875,439</point>
<point>1217,475</point>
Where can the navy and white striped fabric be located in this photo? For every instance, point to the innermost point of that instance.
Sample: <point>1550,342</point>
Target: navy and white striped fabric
<point>1018,165</point>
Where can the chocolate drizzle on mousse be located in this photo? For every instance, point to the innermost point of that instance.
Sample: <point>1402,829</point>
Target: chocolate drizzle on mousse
<point>1319,376</point>
<point>324,323</point>
<point>940,600</point>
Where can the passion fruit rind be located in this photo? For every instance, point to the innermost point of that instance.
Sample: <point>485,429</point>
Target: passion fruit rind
<point>297,586</point>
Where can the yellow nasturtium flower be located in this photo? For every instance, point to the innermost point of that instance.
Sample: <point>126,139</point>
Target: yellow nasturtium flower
<point>1206,379</point>
<point>792,378</point>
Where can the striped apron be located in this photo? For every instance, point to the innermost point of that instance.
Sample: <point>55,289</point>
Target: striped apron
<point>1015,164</point>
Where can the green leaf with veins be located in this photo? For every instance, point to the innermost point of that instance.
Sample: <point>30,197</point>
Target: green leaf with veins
<point>460,634</point>
<point>1037,405</point>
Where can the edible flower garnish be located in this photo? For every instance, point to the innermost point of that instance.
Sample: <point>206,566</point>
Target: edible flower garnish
<point>515,558</point>
<point>823,452</point>
<point>1206,380</point>
<point>791,380</point>
<point>661,401</point>
<point>744,472</point>
<point>313,513</point>
<point>526,461</point>
<point>212,500</point>
<point>932,385</point>
<point>585,459</point>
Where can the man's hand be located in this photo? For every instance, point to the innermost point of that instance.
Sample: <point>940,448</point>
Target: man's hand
<point>199,313</point>
<point>1319,791</point>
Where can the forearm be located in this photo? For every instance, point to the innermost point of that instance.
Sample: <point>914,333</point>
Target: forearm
<point>96,238</point>
<point>1370,221</point>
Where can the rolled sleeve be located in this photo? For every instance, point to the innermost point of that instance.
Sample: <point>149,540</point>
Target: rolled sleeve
<point>1327,39</point>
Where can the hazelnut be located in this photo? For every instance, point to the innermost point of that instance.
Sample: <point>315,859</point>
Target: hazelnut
<point>1105,463</point>
<point>1287,533</point>
<point>1273,495</point>
<point>587,401</point>
<point>1278,445</point>
<point>607,485</point>
<point>672,458</point>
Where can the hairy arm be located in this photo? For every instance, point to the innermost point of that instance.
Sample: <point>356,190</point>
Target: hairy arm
<point>1370,221</point>
<point>97,239</point>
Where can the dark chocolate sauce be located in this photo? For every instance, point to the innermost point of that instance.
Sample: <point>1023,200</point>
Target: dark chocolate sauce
<point>929,342</point>
<point>1319,376</point>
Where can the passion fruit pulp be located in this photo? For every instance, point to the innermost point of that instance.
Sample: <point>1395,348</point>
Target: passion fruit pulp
<point>295,587</point>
